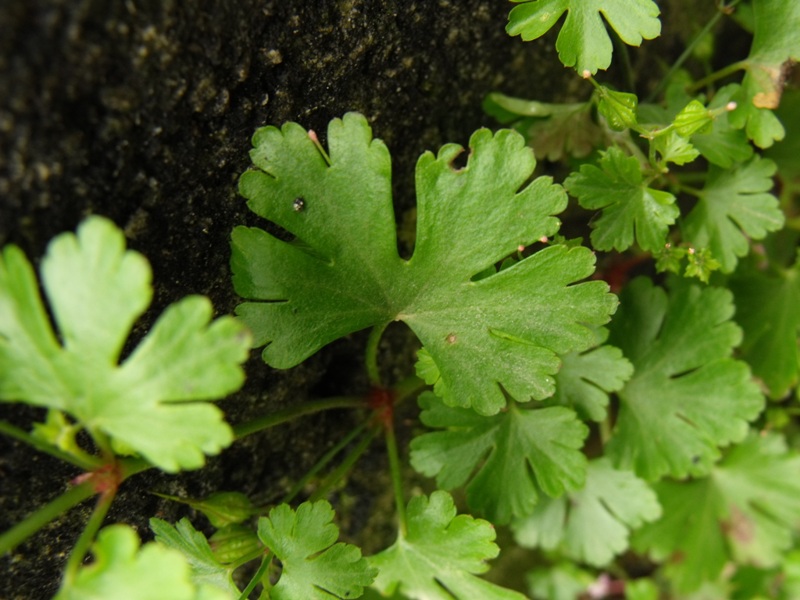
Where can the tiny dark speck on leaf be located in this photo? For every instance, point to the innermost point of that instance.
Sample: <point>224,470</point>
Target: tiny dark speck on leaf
<point>298,205</point>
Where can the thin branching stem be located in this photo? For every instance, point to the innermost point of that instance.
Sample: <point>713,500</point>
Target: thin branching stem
<point>397,478</point>
<point>84,461</point>
<point>688,52</point>
<point>259,575</point>
<point>371,354</point>
<point>344,467</point>
<point>294,412</point>
<point>47,513</point>
<point>322,462</point>
<point>88,535</point>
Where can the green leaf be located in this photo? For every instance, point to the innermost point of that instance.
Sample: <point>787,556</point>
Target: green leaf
<point>314,566</point>
<point>439,555</point>
<point>512,455</point>
<point>768,310</point>
<point>618,108</point>
<point>562,581</point>
<point>618,188</point>
<point>641,589</point>
<point>775,45</point>
<point>221,508</point>
<point>744,511</point>
<point>734,205</point>
<point>723,146</point>
<point>206,569</point>
<point>687,395</point>
<point>232,543</point>
<point>586,378</point>
<point>96,291</point>
<point>583,41</point>
<point>674,148</point>
<point>344,274</point>
<point>122,569</point>
<point>693,118</point>
<point>591,525</point>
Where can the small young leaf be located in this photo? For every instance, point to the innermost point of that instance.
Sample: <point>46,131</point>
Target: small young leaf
<point>591,525</point>
<point>96,291</point>
<point>618,188</point>
<point>768,310</point>
<point>694,118</point>
<point>512,455</point>
<point>583,41</point>
<point>315,567</point>
<point>618,108</point>
<point>205,567</point>
<point>439,555</point>
<point>674,148</point>
<point>744,511</point>
<point>122,569</point>
<point>734,205</point>
<point>502,330</point>
<point>687,395</point>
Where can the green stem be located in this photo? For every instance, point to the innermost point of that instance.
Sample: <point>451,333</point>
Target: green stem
<point>86,462</point>
<point>410,386</point>
<point>322,462</point>
<point>87,536</point>
<point>262,569</point>
<point>397,479</point>
<point>687,53</point>
<point>344,467</point>
<point>371,354</point>
<point>47,513</point>
<point>294,412</point>
<point>723,72</point>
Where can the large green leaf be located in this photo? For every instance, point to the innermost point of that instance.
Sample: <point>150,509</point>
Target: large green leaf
<point>342,272</point>
<point>687,396</point>
<point>149,402</point>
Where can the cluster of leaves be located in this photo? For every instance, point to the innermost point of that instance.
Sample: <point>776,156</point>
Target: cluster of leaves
<point>587,424</point>
<point>517,345</point>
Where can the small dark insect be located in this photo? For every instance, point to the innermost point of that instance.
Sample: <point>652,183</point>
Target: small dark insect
<point>298,205</point>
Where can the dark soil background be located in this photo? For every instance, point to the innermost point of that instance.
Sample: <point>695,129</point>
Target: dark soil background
<point>142,111</point>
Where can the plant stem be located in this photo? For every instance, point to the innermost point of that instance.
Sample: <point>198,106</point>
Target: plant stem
<point>397,479</point>
<point>86,462</point>
<point>322,462</point>
<point>687,53</point>
<point>410,386</point>
<point>294,412</point>
<point>262,569</point>
<point>344,467</point>
<point>47,513</point>
<point>87,536</point>
<point>723,72</point>
<point>371,354</point>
